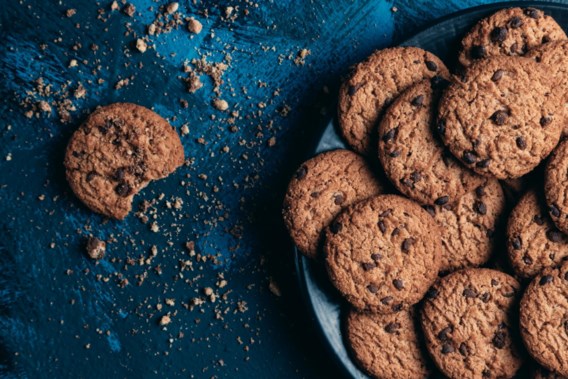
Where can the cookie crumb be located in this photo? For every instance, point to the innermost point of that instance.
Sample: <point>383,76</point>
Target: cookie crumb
<point>141,45</point>
<point>96,249</point>
<point>172,8</point>
<point>165,320</point>
<point>220,104</point>
<point>194,26</point>
<point>129,10</point>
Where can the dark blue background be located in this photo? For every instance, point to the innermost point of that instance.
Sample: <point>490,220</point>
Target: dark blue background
<point>48,314</point>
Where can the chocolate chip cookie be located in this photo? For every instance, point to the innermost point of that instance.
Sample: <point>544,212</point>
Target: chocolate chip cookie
<point>469,324</point>
<point>383,253</point>
<point>501,118</point>
<point>469,226</point>
<point>386,346</point>
<point>509,32</point>
<point>533,241</point>
<point>414,158</point>
<point>556,186</point>
<point>116,152</point>
<point>544,319</point>
<point>374,84</point>
<point>320,189</point>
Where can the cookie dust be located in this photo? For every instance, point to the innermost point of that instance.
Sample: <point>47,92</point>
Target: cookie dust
<point>300,59</point>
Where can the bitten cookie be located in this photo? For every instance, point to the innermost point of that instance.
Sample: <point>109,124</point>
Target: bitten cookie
<point>511,31</point>
<point>414,158</point>
<point>386,346</point>
<point>554,55</point>
<point>383,253</point>
<point>533,241</point>
<point>556,186</point>
<point>501,119</point>
<point>544,319</point>
<point>374,84</point>
<point>468,227</point>
<point>116,152</point>
<point>468,323</point>
<point>320,189</point>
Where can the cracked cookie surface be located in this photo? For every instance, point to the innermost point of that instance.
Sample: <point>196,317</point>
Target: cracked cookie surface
<point>533,241</point>
<point>116,152</point>
<point>374,84</point>
<point>556,186</point>
<point>509,32</point>
<point>544,319</point>
<point>387,346</point>
<point>501,118</point>
<point>469,325</point>
<point>320,189</point>
<point>383,253</point>
<point>415,160</point>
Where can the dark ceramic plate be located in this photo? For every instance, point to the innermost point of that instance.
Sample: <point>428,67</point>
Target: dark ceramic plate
<point>442,38</point>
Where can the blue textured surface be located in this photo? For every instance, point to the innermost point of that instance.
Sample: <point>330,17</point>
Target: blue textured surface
<point>52,304</point>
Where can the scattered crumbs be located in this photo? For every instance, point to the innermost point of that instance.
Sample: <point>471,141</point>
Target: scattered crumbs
<point>129,10</point>
<point>194,26</point>
<point>165,320</point>
<point>300,59</point>
<point>220,104</point>
<point>96,249</point>
<point>394,9</point>
<point>70,12</point>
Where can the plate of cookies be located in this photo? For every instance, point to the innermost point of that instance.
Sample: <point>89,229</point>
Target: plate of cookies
<point>431,224</point>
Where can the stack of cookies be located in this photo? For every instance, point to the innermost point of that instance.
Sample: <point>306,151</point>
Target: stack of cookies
<point>422,257</point>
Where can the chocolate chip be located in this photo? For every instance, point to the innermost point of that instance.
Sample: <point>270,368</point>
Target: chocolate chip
<point>382,226</point>
<point>480,207</point>
<point>386,300</point>
<point>103,129</point>
<point>394,154</point>
<point>545,120</point>
<point>442,200</point>
<point>499,117</point>
<point>554,235</point>
<point>516,242</point>
<point>432,66</point>
<point>123,189</point>
<point>354,88</point>
<point>335,227</point>
<point>539,220</point>
<point>532,13</point>
<point>483,163</point>
<point>397,307</point>
<point>91,175</point>
<point>447,348</point>
<point>376,257</point>
<point>395,232</point>
<point>339,199</point>
<point>430,209</point>
<point>477,52</point>
<point>545,279</point>
<point>443,334</point>
<point>499,339</point>
<point>463,349</point>
<point>485,297</point>
<point>527,260</point>
<point>521,143</point>
<point>441,126</point>
<point>386,213</point>
<point>514,47</point>
<point>398,284</point>
<point>469,157</point>
<point>515,22</point>
<point>119,174</point>
<point>391,134</point>
<point>373,288</point>
<point>554,211</point>
<point>432,293</point>
<point>392,327</point>
<point>494,282</point>
<point>486,373</point>
<point>498,34</point>
<point>75,154</point>
<point>301,173</point>
<point>497,75</point>
<point>469,293</point>
<point>407,244</point>
<point>368,266</point>
<point>417,101</point>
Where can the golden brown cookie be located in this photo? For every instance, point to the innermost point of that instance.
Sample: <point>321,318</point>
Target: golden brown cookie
<point>533,241</point>
<point>469,226</point>
<point>544,319</point>
<point>501,118</point>
<point>556,186</point>
<point>509,32</point>
<point>383,253</point>
<point>374,84</point>
<point>320,189</point>
<point>116,152</point>
<point>469,325</point>
<point>414,159</point>
<point>386,346</point>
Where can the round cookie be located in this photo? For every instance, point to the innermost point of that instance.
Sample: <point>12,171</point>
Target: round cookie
<point>468,322</point>
<point>386,346</point>
<point>468,226</point>
<point>556,186</point>
<point>500,119</point>
<point>544,319</point>
<point>533,241</point>
<point>116,152</point>
<point>554,56</point>
<point>414,159</point>
<point>383,253</point>
<point>320,189</point>
<point>509,32</point>
<point>374,84</point>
